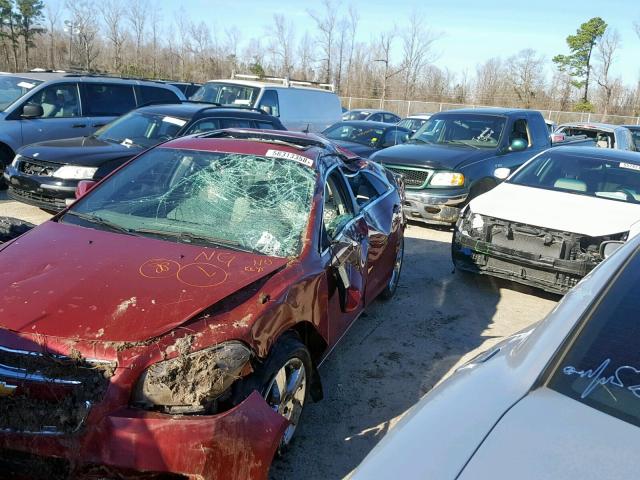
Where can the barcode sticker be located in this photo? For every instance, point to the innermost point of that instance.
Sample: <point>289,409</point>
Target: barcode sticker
<point>290,156</point>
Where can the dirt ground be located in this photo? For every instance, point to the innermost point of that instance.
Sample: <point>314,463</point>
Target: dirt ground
<point>395,353</point>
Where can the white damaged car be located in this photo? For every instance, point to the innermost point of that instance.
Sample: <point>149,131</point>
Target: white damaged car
<point>554,219</point>
<point>558,401</point>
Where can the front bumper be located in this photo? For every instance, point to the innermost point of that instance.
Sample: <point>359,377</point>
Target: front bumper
<point>237,444</point>
<point>441,208</point>
<point>48,193</point>
<point>551,274</point>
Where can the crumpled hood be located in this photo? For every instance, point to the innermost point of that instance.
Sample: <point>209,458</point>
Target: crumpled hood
<point>557,210</point>
<point>79,283</point>
<point>439,157</point>
<point>83,151</point>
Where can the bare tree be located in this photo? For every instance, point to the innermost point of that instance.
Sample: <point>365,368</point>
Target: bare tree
<point>305,56</point>
<point>525,75</point>
<point>137,14</point>
<point>609,44</point>
<point>489,81</point>
<point>52,13</point>
<point>155,18</point>
<point>281,45</point>
<point>354,19</point>
<point>417,43</point>
<point>84,19</point>
<point>384,46</point>
<point>113,13</point>
<point>326,24</point>
<point>200,45</point>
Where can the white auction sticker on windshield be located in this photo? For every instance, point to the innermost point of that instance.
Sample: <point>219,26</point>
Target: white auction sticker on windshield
<point>290,156</point>
<point>26,85</point>
<point>630,166</point>
<point>175,121</point>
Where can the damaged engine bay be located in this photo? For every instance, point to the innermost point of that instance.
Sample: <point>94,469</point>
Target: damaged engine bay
<point>549,259</point>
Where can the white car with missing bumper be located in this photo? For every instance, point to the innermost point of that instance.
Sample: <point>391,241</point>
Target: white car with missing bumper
<point>553,220</point>
<point>558,401</point>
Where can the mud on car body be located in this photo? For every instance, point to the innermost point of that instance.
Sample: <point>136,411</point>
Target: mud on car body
<point>553,220</point>
<point>172,319</point>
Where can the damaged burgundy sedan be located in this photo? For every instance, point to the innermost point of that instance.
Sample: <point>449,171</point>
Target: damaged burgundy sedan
<point>169,324</point>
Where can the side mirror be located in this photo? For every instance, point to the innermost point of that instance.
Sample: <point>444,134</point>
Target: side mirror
<point>607,248</point>
<point>32,111</point>
<point>517,145</point>
<point>83,187</point>
<point>501,173</point>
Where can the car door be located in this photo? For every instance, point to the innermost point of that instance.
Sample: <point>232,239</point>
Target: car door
<point>380,207</point>
<point>103,102</point>
<point>62,114</point>
<point>344,243</point>
<point>520,128</point>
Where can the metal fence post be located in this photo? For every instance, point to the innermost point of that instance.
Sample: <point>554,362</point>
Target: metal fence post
<point>440,107</point>
<point>408,108</point>
<point>349,104</point>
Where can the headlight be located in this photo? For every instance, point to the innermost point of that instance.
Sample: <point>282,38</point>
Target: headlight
<point>447,179</point>
<point>70,172</point>
<point>16,159</point>
<point>191,382</point>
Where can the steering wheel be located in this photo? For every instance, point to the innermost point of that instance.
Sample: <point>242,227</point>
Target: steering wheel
<point>630,195</point>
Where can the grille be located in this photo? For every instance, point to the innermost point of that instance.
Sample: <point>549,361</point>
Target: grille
<point>412,178</point>
<point>37,198</point>
<point>41,169</point>
<point>48,394</point>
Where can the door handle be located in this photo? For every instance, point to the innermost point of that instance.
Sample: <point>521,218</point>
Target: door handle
<point>98,125</point>
<point>79,125</point>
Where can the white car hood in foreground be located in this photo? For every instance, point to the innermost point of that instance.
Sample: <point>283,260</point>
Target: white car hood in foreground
<point>549,435</point>
<point>556,210</point>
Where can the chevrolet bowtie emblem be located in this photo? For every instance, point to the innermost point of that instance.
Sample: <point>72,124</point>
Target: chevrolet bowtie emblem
<point>7,390</point>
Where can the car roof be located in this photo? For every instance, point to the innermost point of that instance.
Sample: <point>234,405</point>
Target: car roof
<point>367,123</point>
<point>257,84</point>
<point>607,127</point>
<point>631,127</point>
<point>191,109</point>
<point>486,111</point>
<point>309,144</point>
<point>420,116</point>
<point>47,76</point>
<point>626,156</point>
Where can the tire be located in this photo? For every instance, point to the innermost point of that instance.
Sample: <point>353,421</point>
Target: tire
<point>6,157</point>
<point>288,356</point>
<point>11,228</point>
<point>390,290</point>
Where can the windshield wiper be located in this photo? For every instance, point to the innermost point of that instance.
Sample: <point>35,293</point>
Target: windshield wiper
<point>418,140</point>
<point>101,221</point>
<point>189,237</point>
<point>460,142</point>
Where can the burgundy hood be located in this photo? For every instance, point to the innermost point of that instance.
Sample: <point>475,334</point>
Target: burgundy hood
<point>79,283</point>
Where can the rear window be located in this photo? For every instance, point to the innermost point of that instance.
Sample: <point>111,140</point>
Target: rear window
<point>602,366</point>
<point>109,99</point>
<point>156,95</point>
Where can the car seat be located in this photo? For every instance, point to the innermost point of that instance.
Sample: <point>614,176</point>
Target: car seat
<point>570,184</point>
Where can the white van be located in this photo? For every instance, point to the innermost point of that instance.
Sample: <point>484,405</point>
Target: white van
<point>300,105</point>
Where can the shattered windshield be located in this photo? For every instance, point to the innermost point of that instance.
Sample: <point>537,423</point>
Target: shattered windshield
<point>226,94</point>
<point>12,88</point>
<point>357,134</point>
<point>476,131</point>
<point>246,202</point>
<point>592,176</point>
<point>141,129</point>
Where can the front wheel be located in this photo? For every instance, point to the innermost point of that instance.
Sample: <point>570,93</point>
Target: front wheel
<point>284,379</point>
<point>390,290</point>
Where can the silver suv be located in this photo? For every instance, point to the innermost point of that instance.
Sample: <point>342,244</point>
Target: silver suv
<point>38,106</point>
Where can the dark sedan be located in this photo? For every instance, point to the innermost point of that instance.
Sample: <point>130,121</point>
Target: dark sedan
<point>364,137</point>
<point>46,174</point>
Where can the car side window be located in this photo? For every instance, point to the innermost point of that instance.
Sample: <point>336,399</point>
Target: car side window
<point>109,99</point>
<point>156,94</point>
<point>394,137</point>
<point>520,130</point>
<point>269,103</point>
<point>235,123</point>
<point>337,207</point>
<point>266,126</point>
<point>58,101</point>
<point>376,117</point>
<point>366,187</point>
<point>204,125</point>
<point>390,118</point>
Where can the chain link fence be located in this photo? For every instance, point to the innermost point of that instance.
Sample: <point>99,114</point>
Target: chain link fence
<point>404,108</point>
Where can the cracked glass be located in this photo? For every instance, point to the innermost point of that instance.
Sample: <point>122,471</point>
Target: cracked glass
<point>247,202</point>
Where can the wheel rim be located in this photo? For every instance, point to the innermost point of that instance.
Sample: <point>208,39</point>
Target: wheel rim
<point>286,395</point>
<point>395,275</point>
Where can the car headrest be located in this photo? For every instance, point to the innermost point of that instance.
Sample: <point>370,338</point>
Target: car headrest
<point>571,184</point>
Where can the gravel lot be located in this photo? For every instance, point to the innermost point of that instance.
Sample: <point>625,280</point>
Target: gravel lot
<point>396,352</point>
